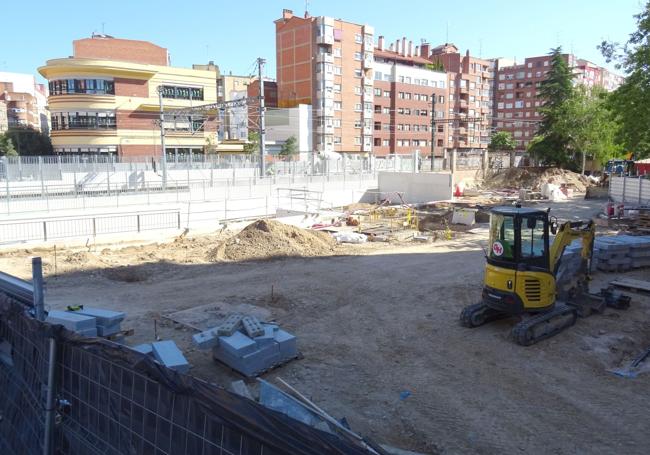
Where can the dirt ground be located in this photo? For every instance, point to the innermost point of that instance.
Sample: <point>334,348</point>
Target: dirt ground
<point>376,320</point>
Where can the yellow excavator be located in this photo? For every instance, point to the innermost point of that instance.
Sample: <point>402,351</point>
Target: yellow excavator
<point>521,274</point>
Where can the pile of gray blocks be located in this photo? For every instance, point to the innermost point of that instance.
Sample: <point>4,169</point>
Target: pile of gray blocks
<point>167,353</point>
<point>90,322</point>
<point>248,346</point>
<point>621,253</point>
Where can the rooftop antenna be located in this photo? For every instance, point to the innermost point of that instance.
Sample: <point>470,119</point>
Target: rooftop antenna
<point>103,28</point>
<point>306,7</point>
<point>447,35</point>
<point>480,48</point>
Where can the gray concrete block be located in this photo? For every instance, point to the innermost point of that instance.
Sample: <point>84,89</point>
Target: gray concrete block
<point>268,336</point>
<point>206,339</point>
<point>251,364</point>
<point>167,353</point>
<point>145,348</point>
<point>230,325</point>
<point>107,330</point>
<point>252,326</point>
<point>287,343</point>
<point>237,344</point>
<point>87,332</point>
<point>240,388</point>
<point>71,321</point>
<point>104,317</point>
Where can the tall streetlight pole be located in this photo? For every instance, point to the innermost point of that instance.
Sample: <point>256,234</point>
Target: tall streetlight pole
<point>163,158</point>
<point>433,129</point>
<point>260,66</point>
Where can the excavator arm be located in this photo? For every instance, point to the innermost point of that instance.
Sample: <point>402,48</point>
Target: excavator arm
<point>567,233</point>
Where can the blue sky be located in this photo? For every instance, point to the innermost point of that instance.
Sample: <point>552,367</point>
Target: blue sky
<point>233,33</point>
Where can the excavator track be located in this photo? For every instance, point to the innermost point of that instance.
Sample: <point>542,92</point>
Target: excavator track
<point>544,325</point>
<point>478,314</point>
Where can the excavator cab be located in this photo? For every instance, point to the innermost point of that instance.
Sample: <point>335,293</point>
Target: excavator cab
<point>518,276</point>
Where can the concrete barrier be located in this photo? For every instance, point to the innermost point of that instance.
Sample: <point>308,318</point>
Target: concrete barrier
<point>416,188</point>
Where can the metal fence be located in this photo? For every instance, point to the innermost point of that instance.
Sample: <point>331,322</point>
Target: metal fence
<point>633,190</point>
<point>65,394</point>
<point>24,230</point>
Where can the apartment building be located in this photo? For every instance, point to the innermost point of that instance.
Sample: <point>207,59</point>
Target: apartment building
<point>405,91</point>
<point>270,100</point>
<point>469,110</point>
<point>25,101</point>
<point>105,100</point>
<point>517,101</point>
<point>4,120</point>
<point>327,63</point>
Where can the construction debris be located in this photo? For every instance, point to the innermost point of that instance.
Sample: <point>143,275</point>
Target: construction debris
<point>108,322</point>
<point>640,286</point>
<point>167,353</point>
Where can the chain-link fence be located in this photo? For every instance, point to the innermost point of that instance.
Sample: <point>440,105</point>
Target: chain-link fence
<point>108,399</point>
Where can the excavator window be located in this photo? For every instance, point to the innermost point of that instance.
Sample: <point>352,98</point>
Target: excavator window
<point>533,240</point>
<point>502,237</point>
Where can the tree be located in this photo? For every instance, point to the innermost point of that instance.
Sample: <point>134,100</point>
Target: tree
<point>29,141</point>
<point>7,146</point>
<point>436,66</point>
<point>552,145</point>
<point>631,101</point>
<point>290,147</point>
<point>253,144</point>
<point>501,140</point>
<point>590,125</point>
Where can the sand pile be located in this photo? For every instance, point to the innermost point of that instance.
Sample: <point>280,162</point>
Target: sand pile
<point>265,239</point>
<point>534,178</point>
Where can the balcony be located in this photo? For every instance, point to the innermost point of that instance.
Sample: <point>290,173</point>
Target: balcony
<point>462,89</point>
<point>325,129</point>
<point>368,62</point>
<point>367,80</point>
<point>366,147</point>
<point>326,39</point>
<point>324,77</point>
<point>324,57</point>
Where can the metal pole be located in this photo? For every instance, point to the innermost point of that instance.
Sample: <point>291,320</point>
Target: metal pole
<point>163,158</point>
<point>37,283</point>
<point>260,67</point>
<point>49,405</point>
<point>433,129</point>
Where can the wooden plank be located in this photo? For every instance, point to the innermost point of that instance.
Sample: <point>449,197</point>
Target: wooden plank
<point>632,284</point>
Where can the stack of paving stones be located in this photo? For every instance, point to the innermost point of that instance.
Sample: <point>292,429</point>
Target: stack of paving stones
<point>90,322</point>
<point>247,345</point>
<point>570,264</point>
<point>167,353</point>
<point>622,252</point>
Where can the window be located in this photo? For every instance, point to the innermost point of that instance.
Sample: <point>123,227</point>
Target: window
<point>407,80</point>
<point>337,139</point>
<point>337,51</point>
<point>407,96</point>
<point>358,56</point>
<point>337,88</point>
<point>519,104</point>
<point>385,110</point>
<point>385,142</point>
<point>337,123</point>
<point>424,98</point>
<point>377,126</point>
<point>357,140</point>
<point>502,86</point>
<point>357,123</point>
<point>358,73</point>
<point>508,105</point>
<point>358,107</point>
<point>407,111</point>
<point>509,96</point>
<point>377,92</point>
<point>546,63</point>
<point>357,90</point>
<point>509,86</point>
<point>400,110</point>
<point>84,86</point>
<point>182,93</point>
<point>386,93</point>
<point>358,38</point>
<point>377,75</point>
<point>441,99</point>
<point>96,120</point>
<point>337,70</point>
<point>338,105</point>
<point>377,142</point>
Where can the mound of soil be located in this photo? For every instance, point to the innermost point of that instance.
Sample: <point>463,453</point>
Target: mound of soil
<point>534,178</point>
<point>266,239</point>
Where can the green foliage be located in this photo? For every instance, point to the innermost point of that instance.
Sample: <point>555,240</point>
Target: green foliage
<point>631,101</point>
<point>7,146</point>
<point>553,145</point>
<point>502,140</point>
<point>435,66</point>
<point>290,147</point>
<point>253,144</point>
<point>29,141</point>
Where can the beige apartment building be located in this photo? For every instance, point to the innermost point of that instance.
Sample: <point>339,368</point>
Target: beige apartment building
<point>105,100</point>
<point>25,102</point>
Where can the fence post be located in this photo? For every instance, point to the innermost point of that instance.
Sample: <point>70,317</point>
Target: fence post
<point>624,182</point>
<point>45,231</point>
<point>40,173</point>
<point>225,209</point>
<point>8,193</point>
<point>108,178</point>
<point>640,186</point>
<point>49,404</point>
<point>37,285</point>
<point>94,227</point>
<point>137,217</point>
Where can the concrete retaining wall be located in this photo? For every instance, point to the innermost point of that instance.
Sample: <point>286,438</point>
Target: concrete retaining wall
<point>417,188</point>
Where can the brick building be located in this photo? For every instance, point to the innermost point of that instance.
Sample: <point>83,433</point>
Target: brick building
<point>404,88</point>
<point>327,63</point>
<point>25,101</point>
<point>104,99</point>
<point>470,97</point>
<point>516,101</point>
